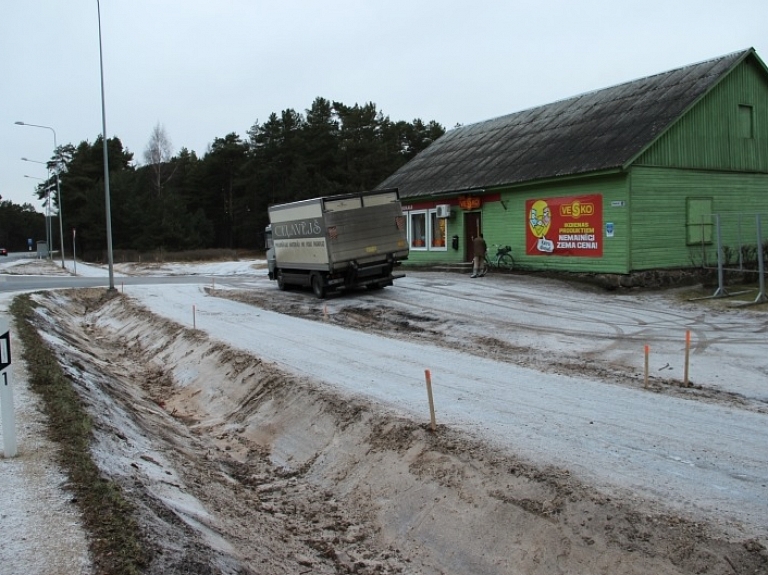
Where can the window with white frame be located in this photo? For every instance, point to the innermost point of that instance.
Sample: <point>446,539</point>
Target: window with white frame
<point>438,231</point>
<point>426,231</point>
<point>417,230</point>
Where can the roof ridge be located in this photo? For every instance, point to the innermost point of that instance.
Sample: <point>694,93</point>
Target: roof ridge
<point>614,86</point>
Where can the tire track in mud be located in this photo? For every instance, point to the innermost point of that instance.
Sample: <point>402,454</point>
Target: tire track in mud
<point>620,319</point>
<point>626,313</point>
<point>664,328</point>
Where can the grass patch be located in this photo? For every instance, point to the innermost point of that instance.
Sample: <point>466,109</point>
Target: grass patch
<point>116,543</point>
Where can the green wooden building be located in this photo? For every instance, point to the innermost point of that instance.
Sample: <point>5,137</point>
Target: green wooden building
<point>624,179</point>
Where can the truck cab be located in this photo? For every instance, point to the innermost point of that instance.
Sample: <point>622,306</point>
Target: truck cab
<point>269,245</point>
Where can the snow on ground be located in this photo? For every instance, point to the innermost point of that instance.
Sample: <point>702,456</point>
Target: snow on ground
<point>35,266</point>
<point>704,458</point>
<point>228,269</point>
<point>698,457</point>
<point>40,524</point>
<point>42,534</point>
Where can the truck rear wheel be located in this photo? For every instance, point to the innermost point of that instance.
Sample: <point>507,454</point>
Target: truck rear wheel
<point>318,285</point>
<point>280,280</point>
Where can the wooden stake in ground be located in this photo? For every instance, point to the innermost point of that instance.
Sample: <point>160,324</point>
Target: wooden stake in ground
<point>428,377</point>
<point>647,352</point>
<point>687,354</point>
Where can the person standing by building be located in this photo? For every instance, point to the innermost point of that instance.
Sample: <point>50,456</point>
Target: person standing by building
<point>479,247</point>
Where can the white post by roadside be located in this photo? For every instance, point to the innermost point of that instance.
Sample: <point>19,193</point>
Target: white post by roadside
<point>6,391</point>
<point>74,251</point>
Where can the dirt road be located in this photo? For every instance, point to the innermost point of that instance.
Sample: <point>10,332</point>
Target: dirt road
<point>241,466</point>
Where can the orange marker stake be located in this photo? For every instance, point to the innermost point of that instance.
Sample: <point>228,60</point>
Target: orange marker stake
<point>687,355</point>
<point>428,377</point>
<point>647,353</point>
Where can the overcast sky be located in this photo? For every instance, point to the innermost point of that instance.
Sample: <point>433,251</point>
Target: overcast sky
<point>203,69</point>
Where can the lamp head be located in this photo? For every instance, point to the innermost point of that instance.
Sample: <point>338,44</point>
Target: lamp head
<point>19,123</point>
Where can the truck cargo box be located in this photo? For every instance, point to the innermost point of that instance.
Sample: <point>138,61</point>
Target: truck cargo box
<point>337,242</point>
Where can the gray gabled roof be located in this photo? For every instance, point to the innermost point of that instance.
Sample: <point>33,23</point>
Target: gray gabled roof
<point>601,130</point>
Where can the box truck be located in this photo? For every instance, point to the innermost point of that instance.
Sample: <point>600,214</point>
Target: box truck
<point>337,242</point>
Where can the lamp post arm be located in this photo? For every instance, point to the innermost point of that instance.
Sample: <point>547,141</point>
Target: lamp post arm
<point>58,187</point>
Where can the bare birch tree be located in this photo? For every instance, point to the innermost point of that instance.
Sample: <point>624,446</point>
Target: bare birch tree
<point>157,155</point>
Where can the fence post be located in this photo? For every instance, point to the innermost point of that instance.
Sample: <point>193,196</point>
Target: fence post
<point>760,263</point>
<point>647,350</point>
<point>721,291</point>
<point>686,383</point>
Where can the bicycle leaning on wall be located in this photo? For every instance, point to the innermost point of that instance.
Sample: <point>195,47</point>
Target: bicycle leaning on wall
<point>503,259</point>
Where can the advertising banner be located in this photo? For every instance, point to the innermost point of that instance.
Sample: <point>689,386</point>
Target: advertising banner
<point>567,226</point>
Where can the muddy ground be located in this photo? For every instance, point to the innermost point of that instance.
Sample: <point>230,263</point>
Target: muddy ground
<point>282,475</point>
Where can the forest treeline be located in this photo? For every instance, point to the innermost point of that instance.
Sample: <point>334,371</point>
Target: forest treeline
<point>181,201</point>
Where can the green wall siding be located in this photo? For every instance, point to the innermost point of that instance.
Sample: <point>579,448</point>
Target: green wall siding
<point>659,202</point>
<point>508,227</point>
<point>499,226</point>
<point>710,135</point>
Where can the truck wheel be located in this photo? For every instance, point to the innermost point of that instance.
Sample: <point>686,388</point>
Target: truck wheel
<point>317,285</point>
<point>280,280</point>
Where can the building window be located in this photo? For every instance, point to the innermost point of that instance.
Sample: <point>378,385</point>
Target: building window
<point>417,230</point>
<point>746,121</point>
<point>426,231</point>
<point>438,231</point>
<point>698,221</point>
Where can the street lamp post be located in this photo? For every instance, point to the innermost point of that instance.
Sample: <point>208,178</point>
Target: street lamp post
<point>106,159</point>
<point>58,188</point>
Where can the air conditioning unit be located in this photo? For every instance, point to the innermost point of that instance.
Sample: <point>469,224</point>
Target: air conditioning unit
<point>443,211</point>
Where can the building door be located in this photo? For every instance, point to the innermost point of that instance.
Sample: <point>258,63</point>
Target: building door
<point>472,229</point>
